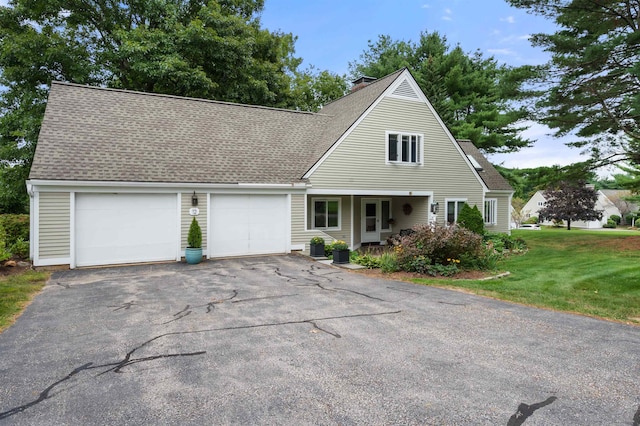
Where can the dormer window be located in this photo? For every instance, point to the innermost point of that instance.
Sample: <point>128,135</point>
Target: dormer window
<point>404,148</point>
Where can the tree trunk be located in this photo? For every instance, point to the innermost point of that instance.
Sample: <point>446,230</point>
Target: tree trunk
<point>568,224</point>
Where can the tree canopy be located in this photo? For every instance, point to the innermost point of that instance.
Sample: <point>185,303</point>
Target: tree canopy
<point>570,201</point>
<point>594,74</point>
<point>477,98</point>
<point>214,49</point>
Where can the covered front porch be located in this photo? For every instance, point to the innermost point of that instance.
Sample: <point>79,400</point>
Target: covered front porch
<point>369,218</point>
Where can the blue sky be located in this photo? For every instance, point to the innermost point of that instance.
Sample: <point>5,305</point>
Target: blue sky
<point>332,33</point>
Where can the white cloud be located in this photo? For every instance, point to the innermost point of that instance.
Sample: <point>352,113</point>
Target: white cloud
<point>447,15</point>
<point>508,19</point>
<point>425,6</point>
<point>502,52</point>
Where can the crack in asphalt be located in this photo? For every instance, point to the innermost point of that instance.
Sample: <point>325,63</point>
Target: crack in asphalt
<point>125,306</point>
<point>525,411</point>
<point>116,367</point>
<point>251,299</point>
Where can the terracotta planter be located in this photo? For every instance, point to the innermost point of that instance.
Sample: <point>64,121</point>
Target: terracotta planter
<point>317,250</point>
<point>341,256</point>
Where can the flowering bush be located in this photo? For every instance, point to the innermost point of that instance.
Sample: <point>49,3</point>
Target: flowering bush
<point>435,245</point>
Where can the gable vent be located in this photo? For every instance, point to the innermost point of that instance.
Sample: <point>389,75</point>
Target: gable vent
<point>405,90</point>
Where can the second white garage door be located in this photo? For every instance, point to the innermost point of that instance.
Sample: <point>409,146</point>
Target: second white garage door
<point>125,228</point>
<point>248,224</point>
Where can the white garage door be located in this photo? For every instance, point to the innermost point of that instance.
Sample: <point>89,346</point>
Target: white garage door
<point>125,228</point>
<point>248,224</point>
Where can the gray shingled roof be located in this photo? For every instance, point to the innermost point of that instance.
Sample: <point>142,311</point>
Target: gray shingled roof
<point>489,175</point>
<point>97,134</point>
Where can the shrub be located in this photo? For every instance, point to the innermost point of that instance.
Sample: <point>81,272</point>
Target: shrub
<point>366,260</point>
<point>431,245</point>
<point>471,218</point>
<point>20,249</point>
<point>339,245</point>
<point>615,218</point>
<point>610,224</point>
<point>194,239</point>
<point>4,253</point>
<point>389,262</point>
<point>504,242</point>
<point>16,226</point>
<point>532,220</point>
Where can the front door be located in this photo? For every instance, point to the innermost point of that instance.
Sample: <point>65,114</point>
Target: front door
<point>370,220</point>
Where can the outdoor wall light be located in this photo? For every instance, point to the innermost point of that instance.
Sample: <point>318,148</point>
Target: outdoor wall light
<point>435,207</point>
<point>194,199</point>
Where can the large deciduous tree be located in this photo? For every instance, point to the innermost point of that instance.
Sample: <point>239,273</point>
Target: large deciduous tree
<point>594,74</point>
<point>477,98</point>
<point>213,49</point>
<point>570,201</point>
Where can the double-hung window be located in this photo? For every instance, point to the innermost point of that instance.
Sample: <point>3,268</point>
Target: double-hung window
<point>326,213</point>
<point>490,211</point>
<point>404,148</point>
<point>453,210</point>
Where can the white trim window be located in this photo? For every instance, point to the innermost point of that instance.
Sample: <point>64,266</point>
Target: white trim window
<point>404,148</point>
<point>452,209</point>
<point>326,213</point>
<point>490,211</point>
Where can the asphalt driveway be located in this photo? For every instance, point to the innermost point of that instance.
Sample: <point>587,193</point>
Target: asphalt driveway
<point>284,340</point>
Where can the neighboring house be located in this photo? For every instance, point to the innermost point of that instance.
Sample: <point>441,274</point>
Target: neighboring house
<point>117,174</point>
<point>604,204</point>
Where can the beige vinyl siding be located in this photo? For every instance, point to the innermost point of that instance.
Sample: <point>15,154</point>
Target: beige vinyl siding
<point>186,217</point>
<point>504,213</point>
<point>359,162</point>
<point>298,234</point>
<point>54,227</point>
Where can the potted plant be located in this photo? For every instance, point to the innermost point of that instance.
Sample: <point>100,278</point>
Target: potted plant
<point>193,252</point>
<point>340,252</point>
<point>317,247</point>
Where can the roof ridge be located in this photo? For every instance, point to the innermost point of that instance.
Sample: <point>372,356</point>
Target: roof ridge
<point>376,81</point>
<point>187,98</point>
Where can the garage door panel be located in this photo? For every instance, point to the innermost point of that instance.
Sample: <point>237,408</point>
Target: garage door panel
<point>248,224</point>
<point>125,228</point>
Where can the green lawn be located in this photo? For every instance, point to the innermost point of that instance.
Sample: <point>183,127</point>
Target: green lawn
<point>595,273</point>
<point>16,291</point>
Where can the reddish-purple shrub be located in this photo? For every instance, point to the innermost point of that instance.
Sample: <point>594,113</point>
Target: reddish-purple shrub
<point>439,244</point>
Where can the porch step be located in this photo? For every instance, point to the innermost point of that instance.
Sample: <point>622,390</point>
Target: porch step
<point>342,265</point>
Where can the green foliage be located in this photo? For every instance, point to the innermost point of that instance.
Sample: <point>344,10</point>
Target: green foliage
<point>20,249</point>
<point>367,260</point>
<point>471,218</point>
<point>593,74</point>
<point>312,89</point>
<point>339,245</point>
<point>477,98</point>
<point>389,262</point>
<point>16,227</point>
<point>194,239</point>
<point>317,240</point>
<point>4,252</point>
<point>504,242</point>
<point>532,220</point>
<point>617,219</point>
<point>610,224</point>
<point>526,182</point>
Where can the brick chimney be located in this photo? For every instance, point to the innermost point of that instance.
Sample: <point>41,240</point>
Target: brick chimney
<point>361,82</point>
